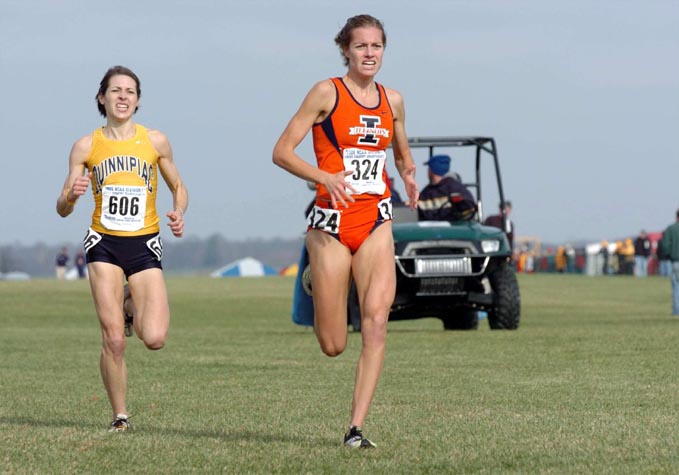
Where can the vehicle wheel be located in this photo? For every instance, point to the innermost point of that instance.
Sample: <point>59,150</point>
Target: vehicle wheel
<point>353,309</point>
<point>506,310</point>
<point>464,319</point>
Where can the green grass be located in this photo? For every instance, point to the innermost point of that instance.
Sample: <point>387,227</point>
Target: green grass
<point>588,384</point>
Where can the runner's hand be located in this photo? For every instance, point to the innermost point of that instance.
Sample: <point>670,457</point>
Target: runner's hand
<point>79,186</point>
<point>411,189</point>
<point>176,223</point>
<point>337,188</point>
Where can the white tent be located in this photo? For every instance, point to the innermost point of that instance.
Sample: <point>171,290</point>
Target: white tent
<point>15,275</point>
<point>246,267</point>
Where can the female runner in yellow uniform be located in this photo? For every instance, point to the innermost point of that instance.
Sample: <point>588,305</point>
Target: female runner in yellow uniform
<point>121,161</point>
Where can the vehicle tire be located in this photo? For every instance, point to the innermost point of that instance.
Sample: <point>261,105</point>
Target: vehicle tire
<point>353,308</point>
<point>506,310</point>
<point>464,319</point>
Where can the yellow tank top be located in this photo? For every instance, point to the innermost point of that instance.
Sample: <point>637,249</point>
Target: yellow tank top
<point>124,175</point>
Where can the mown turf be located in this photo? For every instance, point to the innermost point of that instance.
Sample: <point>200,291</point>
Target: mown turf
<point>588,384</point>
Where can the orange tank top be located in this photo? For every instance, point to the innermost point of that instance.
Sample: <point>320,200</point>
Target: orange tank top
<point>354,137</point>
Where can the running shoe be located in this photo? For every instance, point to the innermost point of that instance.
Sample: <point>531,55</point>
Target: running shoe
<point>306,280</point>
<point>120,424</point>
<point>129,317</point>
<point>354,439</point>
<point>129,324</point>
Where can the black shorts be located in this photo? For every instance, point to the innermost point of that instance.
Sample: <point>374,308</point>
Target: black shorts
<point>132,254</point>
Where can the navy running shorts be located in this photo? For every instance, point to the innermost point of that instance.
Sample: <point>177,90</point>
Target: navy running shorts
<point>131,253</point>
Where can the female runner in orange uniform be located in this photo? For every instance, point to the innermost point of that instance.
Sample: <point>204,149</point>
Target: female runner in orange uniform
<point>353,120</point>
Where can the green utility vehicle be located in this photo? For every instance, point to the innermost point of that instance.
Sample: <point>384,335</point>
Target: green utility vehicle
<point>454,270</point>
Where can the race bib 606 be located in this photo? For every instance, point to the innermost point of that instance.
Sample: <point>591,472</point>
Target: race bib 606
<point>123,207</point>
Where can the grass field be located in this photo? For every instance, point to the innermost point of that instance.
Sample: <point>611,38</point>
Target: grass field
<point>588,384</point>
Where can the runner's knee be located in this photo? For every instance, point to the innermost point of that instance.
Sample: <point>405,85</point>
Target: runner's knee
<point>332,346</point>
<point>375,314</point>
<point>374,326</point>
<point>375,323</point>
<point>332,349</point>
<point>114,345</point>
<point>154,341</point>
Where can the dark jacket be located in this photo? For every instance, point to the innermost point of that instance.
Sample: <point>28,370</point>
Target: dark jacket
<point>448,200</point>
<point>642,246</point>
<point>670,242</point>
<point>62,260</point>
<point>496,221</point>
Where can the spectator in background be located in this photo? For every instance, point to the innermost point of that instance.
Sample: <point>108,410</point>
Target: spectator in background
<point>617,262</point>
<point>81,264</point>
<point>664,262</point>
<point>605,267</point>
<point>642,251</point>
<point>670,249</point>
<point>505,224</point>
<point>396,199</point>
<point>444,198</point>
<point>628,257</point>
<point>530,262</point>
<point>560,259</point>
<point>62,263</point>
<point>570,258</point>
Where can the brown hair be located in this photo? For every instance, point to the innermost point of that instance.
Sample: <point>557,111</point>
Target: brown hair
<point>343,38</point>
<point>103,85</point>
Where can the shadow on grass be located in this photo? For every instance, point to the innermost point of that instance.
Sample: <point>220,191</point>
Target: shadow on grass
<point>234,435</point>
<point>423,330</point>
<point>63,423</point>
<point>390,329</point>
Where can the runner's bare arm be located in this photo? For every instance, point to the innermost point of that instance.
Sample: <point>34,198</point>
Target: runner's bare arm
<point>315,107</point>
<point>169,172</point>
<point>76,182</point>
<point>402,156</point>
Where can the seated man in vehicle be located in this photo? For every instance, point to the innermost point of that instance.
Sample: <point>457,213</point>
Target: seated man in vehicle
<point>444,198</point>
<point>502,221</point>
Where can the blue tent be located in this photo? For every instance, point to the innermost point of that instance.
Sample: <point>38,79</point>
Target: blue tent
<point>246,267</point>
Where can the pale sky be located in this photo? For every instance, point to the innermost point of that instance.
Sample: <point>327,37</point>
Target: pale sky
<point>582,98</point>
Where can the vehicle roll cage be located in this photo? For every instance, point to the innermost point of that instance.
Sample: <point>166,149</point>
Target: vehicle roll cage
<point>482,144</point>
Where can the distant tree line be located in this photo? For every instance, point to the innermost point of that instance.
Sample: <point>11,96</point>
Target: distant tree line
<point>189,255</point>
